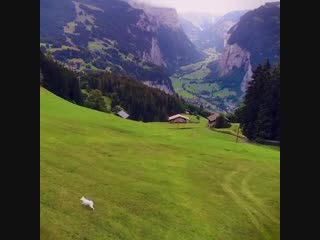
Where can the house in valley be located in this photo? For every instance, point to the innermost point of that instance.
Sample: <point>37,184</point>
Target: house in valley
<point>178,118</point>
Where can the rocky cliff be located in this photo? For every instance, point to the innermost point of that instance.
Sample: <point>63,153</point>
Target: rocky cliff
<point>253,40</point>
<point>170,45</point>
<point>235,57</point>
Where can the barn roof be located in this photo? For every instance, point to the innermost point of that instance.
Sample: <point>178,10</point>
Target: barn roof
<point>123,114</point>
<point>177,116</point>
<point>213,117</point>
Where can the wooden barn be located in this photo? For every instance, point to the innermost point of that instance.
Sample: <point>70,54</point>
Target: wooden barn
<point>178,118</point>
<point>212,119</point>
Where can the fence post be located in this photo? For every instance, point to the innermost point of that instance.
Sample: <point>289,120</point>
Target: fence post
<point>238,134</point>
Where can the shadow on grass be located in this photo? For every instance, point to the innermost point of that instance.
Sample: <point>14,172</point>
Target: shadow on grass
<point>87,208</point>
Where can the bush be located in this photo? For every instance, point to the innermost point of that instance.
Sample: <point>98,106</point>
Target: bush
<point>95,101</point>
<point>117,109</point>
<point>222,122</point>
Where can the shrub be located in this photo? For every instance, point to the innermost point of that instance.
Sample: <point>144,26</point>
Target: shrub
<point>222,122</point>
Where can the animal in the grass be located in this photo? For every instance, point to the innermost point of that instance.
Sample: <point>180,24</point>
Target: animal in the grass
<point>87,202</point>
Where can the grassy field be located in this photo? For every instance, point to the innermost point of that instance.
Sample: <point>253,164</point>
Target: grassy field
<point>96,45</point>
<point>70,27</point>
<point>197,88</point>
<point>76,60</point>
<point>63,47</point>
<point>151,181</point>
<point>224,93</point>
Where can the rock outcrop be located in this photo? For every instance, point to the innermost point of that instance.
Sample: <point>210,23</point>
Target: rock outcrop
<point>252,41</point>
<point>235,57</point>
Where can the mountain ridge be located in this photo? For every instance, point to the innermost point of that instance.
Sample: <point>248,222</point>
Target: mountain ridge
<point>114,36</point>
<point>252,41</point>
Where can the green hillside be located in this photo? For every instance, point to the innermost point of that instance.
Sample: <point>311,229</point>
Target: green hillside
<point>151,180</point>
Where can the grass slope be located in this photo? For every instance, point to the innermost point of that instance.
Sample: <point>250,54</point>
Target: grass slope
<point>151,181</point>
<point>233,130</point>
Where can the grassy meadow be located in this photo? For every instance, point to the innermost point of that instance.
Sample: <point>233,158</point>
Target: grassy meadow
<point>151,180</point>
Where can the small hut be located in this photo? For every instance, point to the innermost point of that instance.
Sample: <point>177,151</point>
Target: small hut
<point>123,114</point>
<point>178,118</point>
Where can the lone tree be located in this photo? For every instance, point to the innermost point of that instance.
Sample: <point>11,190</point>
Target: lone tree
<point>95,101</point>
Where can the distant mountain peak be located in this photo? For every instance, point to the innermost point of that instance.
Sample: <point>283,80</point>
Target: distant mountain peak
<point>159,15</point>
<point>272,4</point>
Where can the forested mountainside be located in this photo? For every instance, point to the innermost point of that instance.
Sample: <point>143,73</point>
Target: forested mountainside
<point>142,42</point>
<point>59,80</point>
<point>142,102</point>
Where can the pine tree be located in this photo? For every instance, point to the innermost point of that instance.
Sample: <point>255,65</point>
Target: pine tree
<point>275,92</point>
<point>263,122</point>
<point>251,103</point>
<point>261,112</point>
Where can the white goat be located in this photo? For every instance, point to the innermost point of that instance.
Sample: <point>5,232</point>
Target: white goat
<point>87,202</point>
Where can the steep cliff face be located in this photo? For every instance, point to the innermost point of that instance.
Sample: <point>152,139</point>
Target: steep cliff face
<point>247,77</point>
<point>163,16</point>
<point>235,57</point>
<point>154,54</point>
<point>170,46</point>
<point>162,87</point>
<point>253,40</point>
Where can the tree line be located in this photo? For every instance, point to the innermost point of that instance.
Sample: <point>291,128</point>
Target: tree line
<point>142,102</point>
<point>59,80</point>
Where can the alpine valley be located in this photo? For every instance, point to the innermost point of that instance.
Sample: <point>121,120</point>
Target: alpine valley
<point>168,122</point>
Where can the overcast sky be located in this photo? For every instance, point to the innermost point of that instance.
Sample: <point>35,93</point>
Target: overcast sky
<point>214,6</point>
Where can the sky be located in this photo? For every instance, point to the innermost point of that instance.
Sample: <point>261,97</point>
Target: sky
<point>213,6</point>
